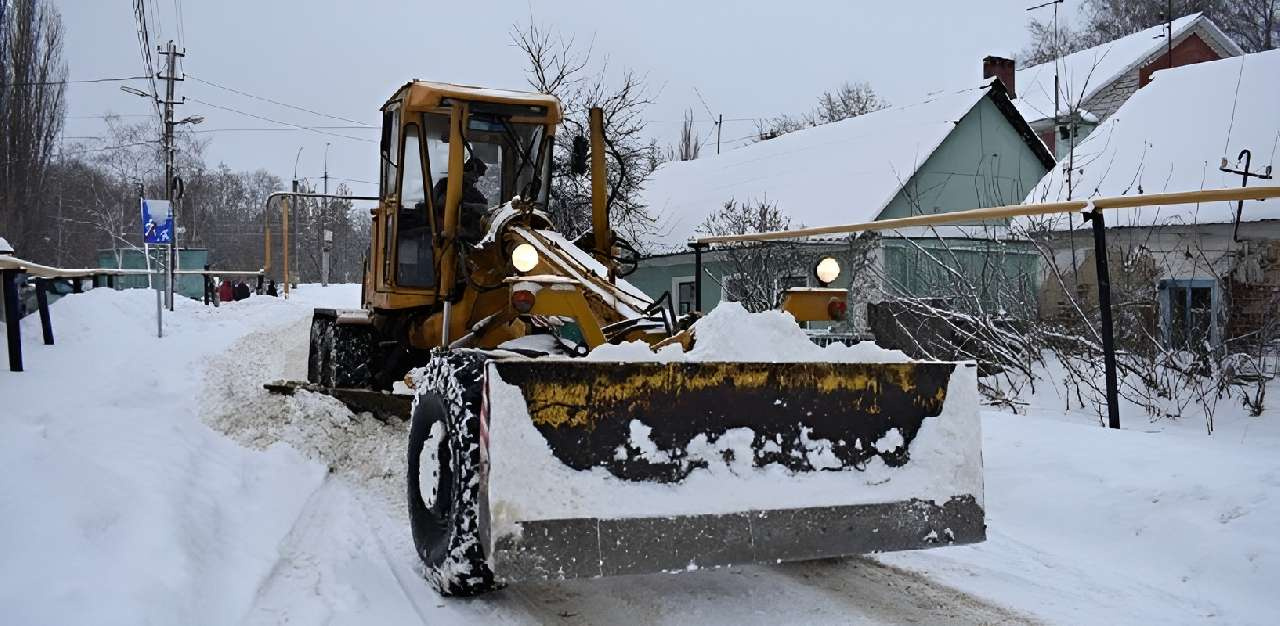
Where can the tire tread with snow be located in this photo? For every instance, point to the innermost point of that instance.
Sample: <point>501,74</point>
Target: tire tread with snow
<point>444,506</point>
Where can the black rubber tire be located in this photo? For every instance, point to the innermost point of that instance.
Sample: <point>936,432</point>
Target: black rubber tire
<point>447,533</point>
<point>349,355</point>
<point>318,349</point>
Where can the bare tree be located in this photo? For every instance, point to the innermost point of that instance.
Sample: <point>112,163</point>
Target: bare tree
<point>690,144</point>
<point>560,67</point>
<point>32,109</point>
<point>846,101</point>
<point>1047,45</point>
<point>756,274</point>
<point>1253,24</point>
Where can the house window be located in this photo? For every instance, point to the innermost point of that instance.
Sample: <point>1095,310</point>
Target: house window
<point>683,295</point>
<point>787,282</point>
<point>1189,312</point>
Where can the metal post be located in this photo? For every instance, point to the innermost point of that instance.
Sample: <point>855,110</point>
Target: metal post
<point>42,301</point>
<point>1104,306</point>
<point>284,238</point>
<point>77,285</point>
<point>111,281</point>
<point>1247,156</point>
<point>9,278</point>
<point>719,125</point>
<point>326,235</point>
<point>159,309</point>
<point>697,275</point>
<point>208,284</point>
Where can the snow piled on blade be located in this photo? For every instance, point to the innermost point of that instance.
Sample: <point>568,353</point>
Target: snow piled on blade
<point>527,482</point>
<point>731,333</point>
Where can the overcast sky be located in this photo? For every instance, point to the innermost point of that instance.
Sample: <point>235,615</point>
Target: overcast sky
<point>749,59</point>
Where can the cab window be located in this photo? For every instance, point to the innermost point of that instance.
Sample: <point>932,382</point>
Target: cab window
<point>414,258</point>
<point>390,174</point>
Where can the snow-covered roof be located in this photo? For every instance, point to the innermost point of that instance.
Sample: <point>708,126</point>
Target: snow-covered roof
<point>5,248</point>
<point>1084,73</point>
<point>841,172</point>
<point>1172,135</point>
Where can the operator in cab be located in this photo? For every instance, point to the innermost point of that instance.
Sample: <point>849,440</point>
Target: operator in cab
<point>474,203</point>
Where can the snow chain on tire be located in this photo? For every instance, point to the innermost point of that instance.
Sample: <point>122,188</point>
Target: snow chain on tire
<point>446,532</point>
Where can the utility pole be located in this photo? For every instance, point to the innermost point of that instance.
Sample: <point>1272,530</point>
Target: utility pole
<point>170,77</point>
<point>719,125</point>
<point>284,230</point>
<point>326,237</point>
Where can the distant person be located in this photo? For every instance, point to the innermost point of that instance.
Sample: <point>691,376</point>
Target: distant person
<point>241,291</point>
<point>226,292</point>
<point>271,288</point>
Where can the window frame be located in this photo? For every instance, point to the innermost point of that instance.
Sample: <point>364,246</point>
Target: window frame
<point>397,206</point>
<point>1166,287</point>
<point>676,281</point>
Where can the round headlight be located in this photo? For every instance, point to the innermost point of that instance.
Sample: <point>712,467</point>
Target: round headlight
<point>524,257</point>
<point>827,270</point>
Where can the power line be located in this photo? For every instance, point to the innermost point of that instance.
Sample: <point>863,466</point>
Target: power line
<point>267,119</point>
<point>282,130</point>
<point>177,10</point>
<point>276,102</point>
<point>75,82</point>
<point>103,116</point>
<point>144,41</point>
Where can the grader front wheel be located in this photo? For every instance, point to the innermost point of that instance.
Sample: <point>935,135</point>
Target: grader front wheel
<point>443,486</point>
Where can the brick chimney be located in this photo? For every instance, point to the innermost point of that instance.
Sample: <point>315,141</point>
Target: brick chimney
<point>1003,69</point>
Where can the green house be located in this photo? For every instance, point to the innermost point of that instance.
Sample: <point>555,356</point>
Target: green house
<point>954,151</point>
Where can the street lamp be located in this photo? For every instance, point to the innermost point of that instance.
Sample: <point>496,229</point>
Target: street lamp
<point>134,91</point>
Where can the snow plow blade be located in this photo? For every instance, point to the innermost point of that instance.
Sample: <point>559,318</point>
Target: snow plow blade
<point>598,469</point>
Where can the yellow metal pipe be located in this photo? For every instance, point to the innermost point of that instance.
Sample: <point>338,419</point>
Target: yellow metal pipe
<point>1014,210</point>
<point>599,204</point>
<point>284,238</point>
<point>452,199</point>
<point>266,241</point>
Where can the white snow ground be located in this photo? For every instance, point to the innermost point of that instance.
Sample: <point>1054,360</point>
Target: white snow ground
<point>151,481</point>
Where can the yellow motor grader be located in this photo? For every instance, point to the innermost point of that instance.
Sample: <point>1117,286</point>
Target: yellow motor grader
<point>526,461</point>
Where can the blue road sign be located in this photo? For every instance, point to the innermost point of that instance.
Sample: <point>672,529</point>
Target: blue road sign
<point>157,221</point>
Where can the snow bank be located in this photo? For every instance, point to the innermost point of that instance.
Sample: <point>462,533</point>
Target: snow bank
<point>527,482</point>
<point>117,505</point>
<point>731,333</point>
<point>1088,525</point>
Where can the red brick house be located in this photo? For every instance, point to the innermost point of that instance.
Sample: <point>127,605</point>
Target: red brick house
<point>1093,83</point>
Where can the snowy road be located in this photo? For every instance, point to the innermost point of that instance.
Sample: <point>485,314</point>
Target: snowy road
<point>147,480</point>
<point>348,557</point>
